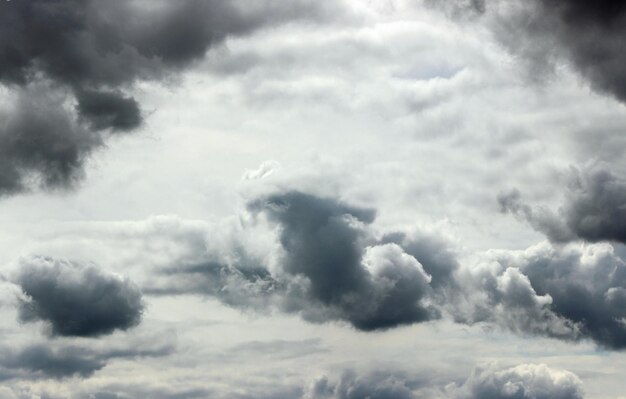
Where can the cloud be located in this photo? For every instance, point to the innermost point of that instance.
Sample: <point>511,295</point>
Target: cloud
<point>91,54</point>
<point>104,110</point>
<point>593,35</point>
<point>334,269</point>
<point>588,35</point>
<point>75,299</point>
<point>41,145</point>
<point>44,361</point>
<point>526,381</point>
<point>60,360</point>
<point>594,209</point>
<point>569,292</point>
<point>351,386</point>
<point>320,258</point>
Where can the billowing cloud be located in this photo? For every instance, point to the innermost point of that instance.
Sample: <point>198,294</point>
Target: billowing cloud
<point>572,292</point>
<point>85,56</point>
<point>41,144</point>
<point>75,299</point>
<point>594,209</point>
<point>326,264</point>
<point>526,381</point>
<point>352,386</point>
<point>59,360</point>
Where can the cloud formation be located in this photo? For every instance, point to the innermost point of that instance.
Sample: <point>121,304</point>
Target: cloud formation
<point>594,209</point>
<point>84,56</point>
<point>569,292</point>
<point>41,144</point>
<point>60,360</point>
<point>589,35</point>
<point>77,300</point>
<point>526,381</point>
<point>325,264</point>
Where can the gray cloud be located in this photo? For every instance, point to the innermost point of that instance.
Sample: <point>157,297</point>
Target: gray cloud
<point>104,110</point>
<point>588,34</point>
<point>593,35</point>
<point>60,360</point>
<point>594,209</point>
<point>572,292</point>
<point>40,144</point>
<point>339,276</point>
<point>526,381</point>
<point>352,386</point>
<point>77,300</point>
<point>90,53</point>
<point>326,265</point>
<point>43,361</point>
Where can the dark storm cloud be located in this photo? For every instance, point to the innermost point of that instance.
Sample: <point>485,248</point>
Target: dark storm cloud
<point>325,243</point>
<point>104,110</point>
<point>594,35</point>
<point>85,43</point>
<point>235,285</point>
<point>594,209</point>
<point>324,262</point>
<point>591,35</point>
<point>90,53</point>
<point>77,300</point>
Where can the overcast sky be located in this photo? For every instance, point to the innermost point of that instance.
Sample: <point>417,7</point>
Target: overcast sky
<point>338,199</point>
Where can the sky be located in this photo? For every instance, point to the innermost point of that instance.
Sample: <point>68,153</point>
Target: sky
<point>338,199</point>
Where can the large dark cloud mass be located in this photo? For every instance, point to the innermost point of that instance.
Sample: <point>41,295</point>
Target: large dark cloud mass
<point>77,300</point>
<point>526,381</point>
<point>594,209</point>
<point>326,261</point>
<point>594,36</point>
<point>591,35</point>
<point>328,265</point>
<point>335,271</point>
<point>90,53</point>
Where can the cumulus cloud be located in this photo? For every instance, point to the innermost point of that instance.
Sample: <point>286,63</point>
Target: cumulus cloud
<point>91,54</point>
<point>75,299</point>
<point>526,381</point>
<point>570,292</point>
<point>334,268</point>
<point>594,209</point>
<point>323,261</point>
